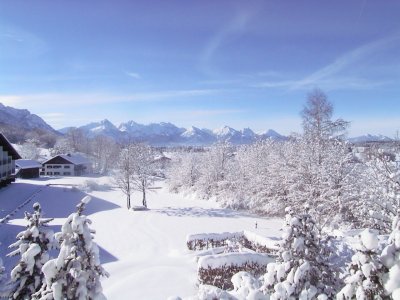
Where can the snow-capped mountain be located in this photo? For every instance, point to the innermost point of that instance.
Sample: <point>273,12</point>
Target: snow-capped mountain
<point>272,134</point>
<point>155,133</point>
<point>18,124</point>
<point>370,138</point>
<point>196,136</point>
<point>104,127</point>
<point>228,134</point>
<point>168,134</point>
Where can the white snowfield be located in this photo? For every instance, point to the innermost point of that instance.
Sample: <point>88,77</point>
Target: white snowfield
<point>144,251</point>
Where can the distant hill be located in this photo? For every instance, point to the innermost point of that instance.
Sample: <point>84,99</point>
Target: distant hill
<point>163,134</point>
<point>19,125</point>
<point>367,138</point>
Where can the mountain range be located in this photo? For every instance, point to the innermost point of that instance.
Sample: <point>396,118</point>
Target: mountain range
<point>19,125</point>
<point>169,134</point>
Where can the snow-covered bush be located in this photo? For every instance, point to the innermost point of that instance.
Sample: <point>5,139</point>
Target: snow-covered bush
<point>390,258</point>
<point>381,193</point>
<point>246,239</point>
<point>246,286</point>
<point>209,292</point>
<point>365,270</point>
<point>303,268</point>
<point>33,245</point>
<point>92,185</point>
<point>75,273</point>
<point>218,270</point>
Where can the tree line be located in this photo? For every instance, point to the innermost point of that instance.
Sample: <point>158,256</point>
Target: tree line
<point>318,168</point>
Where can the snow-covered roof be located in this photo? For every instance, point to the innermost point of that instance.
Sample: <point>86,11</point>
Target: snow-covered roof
<point>76,158</point>
<point>73,158</point>
<point>27,164</point>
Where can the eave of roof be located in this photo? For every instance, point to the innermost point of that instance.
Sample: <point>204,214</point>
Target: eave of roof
<point>8,147</point>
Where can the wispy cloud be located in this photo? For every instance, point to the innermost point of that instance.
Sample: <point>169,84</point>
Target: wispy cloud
<point>233,28</point>
<point>334,75</point>
<point>16,42</point>
<point>63,99</point>
<point>133,75</point>
<point>12,37</point>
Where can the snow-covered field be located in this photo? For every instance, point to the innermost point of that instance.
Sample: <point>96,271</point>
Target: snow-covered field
<point>144,251</point>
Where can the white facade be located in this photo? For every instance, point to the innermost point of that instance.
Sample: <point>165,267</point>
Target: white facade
<point>58,170</point>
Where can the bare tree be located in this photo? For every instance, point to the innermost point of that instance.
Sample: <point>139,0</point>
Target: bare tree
<point>135,171</point>
<point>30,149</point>
<point>317,117</point>
<point>104,151</point>
<point>144,169</point>
<point>125,173</point>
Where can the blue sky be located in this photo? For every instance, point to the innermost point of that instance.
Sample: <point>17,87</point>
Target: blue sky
<point>202,63</point>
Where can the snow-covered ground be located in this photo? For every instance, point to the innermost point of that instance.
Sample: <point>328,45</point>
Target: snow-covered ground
<point>144,251</point>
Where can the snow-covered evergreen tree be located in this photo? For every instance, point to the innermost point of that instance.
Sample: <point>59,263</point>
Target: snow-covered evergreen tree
<point>303,269</point>
<point>390,258</point>
<point>75,273</point>
<point>33,245</point>
<point>364,280</point>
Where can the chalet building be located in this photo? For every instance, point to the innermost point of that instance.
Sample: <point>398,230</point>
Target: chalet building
<point>8,155</point>
<point>66,165</point>
<point>27,168</point>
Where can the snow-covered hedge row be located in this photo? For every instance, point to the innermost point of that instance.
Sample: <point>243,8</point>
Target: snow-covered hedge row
<point>247,239</point>
<point>217,270</point>
<point>211,240</point>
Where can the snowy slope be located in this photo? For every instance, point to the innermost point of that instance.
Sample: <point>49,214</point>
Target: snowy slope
<point>22,118</point>
<point>144,251</point>
<point>19,125</point>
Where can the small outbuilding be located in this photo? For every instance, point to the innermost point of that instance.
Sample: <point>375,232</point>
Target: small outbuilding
<point>27,168</point>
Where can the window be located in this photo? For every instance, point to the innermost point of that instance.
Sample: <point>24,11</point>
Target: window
<point>56,173</point>
<point>67,173</point>
<point>49,173</point>
<point>67,167</point>
<point>49,167</point>
<point>57,167</point>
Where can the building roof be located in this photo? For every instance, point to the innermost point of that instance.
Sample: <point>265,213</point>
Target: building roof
<point>75,158</point>
<point>8,147</point>
<point>27,164</point>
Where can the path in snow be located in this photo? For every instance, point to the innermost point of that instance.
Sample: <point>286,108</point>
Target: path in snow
<point>144,251</point>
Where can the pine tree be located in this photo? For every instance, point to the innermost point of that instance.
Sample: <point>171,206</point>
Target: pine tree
<point>365,270</point>
<point>75,273</point>
<point>33,245</point>
<point>390,258</point>
<point>303,269</point>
